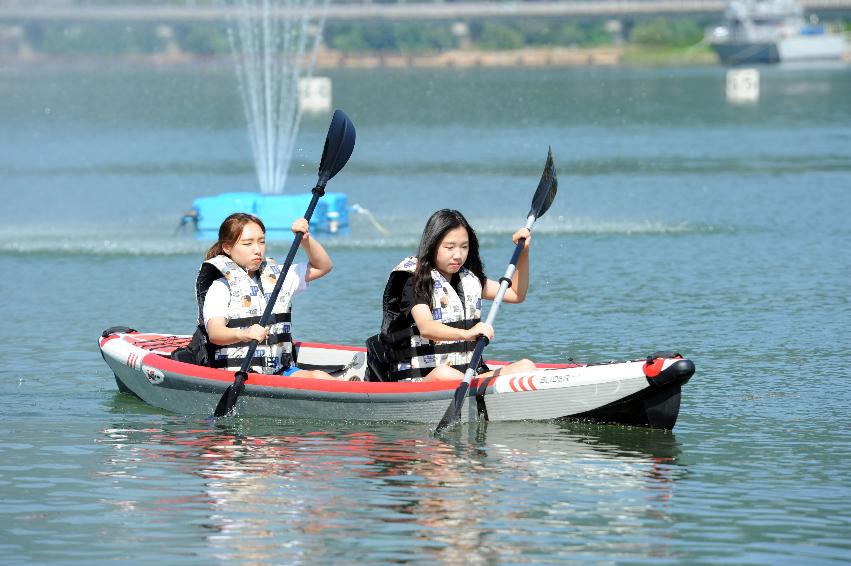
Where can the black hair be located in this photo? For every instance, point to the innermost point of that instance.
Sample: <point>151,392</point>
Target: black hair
<point>438,225</point>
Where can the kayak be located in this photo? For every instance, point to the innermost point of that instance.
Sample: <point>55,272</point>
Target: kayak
<point>640,392</point>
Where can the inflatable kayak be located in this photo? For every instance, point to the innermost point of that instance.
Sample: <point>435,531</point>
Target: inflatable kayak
<point>643,392</point>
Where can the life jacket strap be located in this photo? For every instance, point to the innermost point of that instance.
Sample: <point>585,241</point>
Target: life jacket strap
<point>281,338</point>
<point>249,320</point>
<point>427,350</point>
<point>399,335</point>
<point>237,362</point>
<point>272,339</point>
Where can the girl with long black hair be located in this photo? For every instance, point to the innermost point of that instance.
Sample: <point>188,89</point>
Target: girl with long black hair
<point>433,303</point>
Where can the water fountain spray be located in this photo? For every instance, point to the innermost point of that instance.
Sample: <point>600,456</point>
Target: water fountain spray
<point>274,44</point>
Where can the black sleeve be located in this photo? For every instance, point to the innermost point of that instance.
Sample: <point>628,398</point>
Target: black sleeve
<point>407,302</point>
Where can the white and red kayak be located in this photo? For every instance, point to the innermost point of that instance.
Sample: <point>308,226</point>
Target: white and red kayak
<point>643,392</point>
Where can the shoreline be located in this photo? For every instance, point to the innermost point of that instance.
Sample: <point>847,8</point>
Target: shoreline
<point>327,59</point>
<point>527,57</point>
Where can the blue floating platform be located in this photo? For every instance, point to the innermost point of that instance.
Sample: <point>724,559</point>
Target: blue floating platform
<point>331,215</point>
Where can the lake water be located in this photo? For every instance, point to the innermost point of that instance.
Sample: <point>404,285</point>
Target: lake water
<point>682,222</point>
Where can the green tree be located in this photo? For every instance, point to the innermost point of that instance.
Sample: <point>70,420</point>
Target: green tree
<point>203,39</point>
<point>348,40</point>
<point>97,39</point>
<point>495,35</point>
<point>414,37</point>
<point>653,33</point>
<point>586,35</point>
<point>670,33</point>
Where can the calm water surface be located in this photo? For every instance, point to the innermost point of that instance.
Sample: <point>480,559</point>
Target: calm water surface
<point>682,222</point>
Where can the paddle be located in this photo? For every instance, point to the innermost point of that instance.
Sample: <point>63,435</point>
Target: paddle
<point>541,202</point>
<point>338,148</point>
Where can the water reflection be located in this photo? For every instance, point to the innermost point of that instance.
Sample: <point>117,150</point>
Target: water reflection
<point>272,490</point>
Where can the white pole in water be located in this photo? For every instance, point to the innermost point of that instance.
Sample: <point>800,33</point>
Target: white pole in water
<point>314,94</point>
<point>742,86</point>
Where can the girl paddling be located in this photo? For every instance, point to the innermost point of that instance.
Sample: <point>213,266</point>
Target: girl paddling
<point>232,289</point>
<point>433,303</point>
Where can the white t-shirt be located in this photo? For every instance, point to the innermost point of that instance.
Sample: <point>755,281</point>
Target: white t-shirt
<point>218,295</point>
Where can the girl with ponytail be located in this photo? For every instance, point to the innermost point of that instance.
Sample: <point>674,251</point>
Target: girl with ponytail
<point>233,286</point>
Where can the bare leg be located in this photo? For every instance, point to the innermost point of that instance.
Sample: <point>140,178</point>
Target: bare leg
<point>444,373</point>
<point>312,373</point>
<point>520,366</point>
<point>448,373</point>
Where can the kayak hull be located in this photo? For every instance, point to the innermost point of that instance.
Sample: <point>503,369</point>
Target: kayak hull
<point>631,392</point>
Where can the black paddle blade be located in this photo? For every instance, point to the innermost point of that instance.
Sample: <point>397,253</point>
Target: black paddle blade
<point>452,416</point>
<point>547,188</point>
<point>338,146</point>
<point>228,400</point>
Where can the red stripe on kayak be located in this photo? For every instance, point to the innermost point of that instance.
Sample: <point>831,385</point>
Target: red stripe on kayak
<point>511,383</point>
<point>532,384</point>
<point>160,362</point>
<point>300,383</point>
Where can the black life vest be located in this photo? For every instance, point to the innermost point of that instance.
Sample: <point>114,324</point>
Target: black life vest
<point>409,355</point>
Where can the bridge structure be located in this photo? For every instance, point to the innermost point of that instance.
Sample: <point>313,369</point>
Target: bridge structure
<point>64,10</point>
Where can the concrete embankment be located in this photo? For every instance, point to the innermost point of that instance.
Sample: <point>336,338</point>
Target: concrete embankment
<point>467,58</point>
<point>332,59</point>
<point>541,57</point>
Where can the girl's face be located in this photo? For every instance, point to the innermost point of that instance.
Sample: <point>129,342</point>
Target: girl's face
<point>452,252</point>
<point>250,249</point>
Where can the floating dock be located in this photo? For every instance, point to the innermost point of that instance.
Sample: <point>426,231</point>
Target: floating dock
<point>277,212</point>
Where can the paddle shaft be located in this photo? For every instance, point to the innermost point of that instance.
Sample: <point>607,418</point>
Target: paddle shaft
<point>267,312</point>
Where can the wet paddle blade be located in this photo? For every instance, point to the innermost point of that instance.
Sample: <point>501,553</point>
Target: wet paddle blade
<point>339,145</point>
<point>452,416</point>
<point>228,400</point>
<point>547,188</point>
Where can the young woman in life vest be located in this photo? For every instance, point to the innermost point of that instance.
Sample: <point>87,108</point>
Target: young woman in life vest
<point>233,286</point>
<point>433,303</point>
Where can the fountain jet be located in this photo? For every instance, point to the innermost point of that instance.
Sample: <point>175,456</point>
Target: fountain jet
<point>274,44</point>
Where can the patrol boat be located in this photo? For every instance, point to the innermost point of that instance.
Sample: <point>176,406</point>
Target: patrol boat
<point>772,31</point>
<point>641,392</point>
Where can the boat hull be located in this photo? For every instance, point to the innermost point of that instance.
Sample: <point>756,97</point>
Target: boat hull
<point>787,50</point>
<point>635,392</point>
